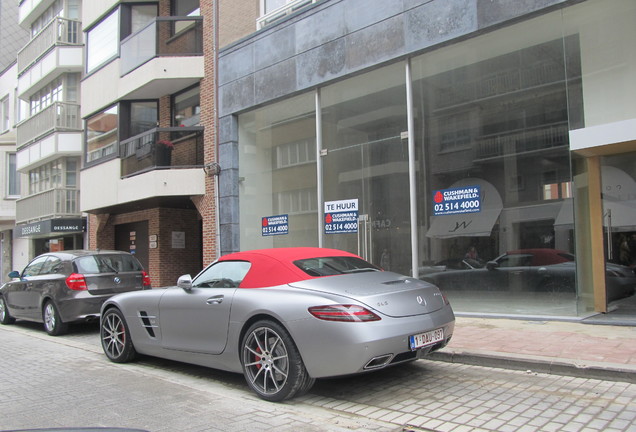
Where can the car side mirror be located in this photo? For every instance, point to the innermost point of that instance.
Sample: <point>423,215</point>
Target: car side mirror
<point>185,282</point>
<point>14,274</point>
<point>492,265</point>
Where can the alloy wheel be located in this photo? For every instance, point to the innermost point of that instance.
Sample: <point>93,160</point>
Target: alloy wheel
<point>113,335</point>
<point>266,361</point>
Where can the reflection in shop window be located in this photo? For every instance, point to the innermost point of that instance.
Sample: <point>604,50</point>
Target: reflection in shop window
<point>101,134</point>
<point>296,153</point>
<point>296,201</point>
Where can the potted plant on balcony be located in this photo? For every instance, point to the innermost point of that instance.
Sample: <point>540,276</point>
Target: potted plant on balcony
<point>164,152</point>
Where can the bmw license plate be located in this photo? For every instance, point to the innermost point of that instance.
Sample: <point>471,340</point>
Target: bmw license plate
<point>424,339</point>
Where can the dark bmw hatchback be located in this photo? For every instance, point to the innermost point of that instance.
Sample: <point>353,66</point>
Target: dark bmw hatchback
<point>59,288</point>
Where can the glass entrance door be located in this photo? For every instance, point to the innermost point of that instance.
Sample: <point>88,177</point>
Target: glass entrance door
<point>618,183</point>
<point>365,161</point>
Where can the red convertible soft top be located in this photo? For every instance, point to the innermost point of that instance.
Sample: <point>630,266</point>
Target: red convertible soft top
<point>272,267</point>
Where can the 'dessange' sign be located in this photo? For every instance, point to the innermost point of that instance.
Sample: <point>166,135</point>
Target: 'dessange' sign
<point>457,200</point>
<point>50,226</point>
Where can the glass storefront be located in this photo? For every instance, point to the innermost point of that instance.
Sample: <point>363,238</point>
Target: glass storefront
<point>488,123</point>
<point>365,159</point>
<point>277,175</point>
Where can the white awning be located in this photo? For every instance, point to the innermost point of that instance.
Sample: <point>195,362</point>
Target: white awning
<point>619,213</point>
<point>478,224</point>
<point>466,224</point>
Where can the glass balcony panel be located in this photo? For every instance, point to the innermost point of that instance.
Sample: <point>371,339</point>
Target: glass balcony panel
<point>165,36</point>
<point>162,148</point>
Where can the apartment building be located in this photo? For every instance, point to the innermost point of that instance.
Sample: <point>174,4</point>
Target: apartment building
<point>149,181</point>
<point>49,133</point>
<point>444,128</point>
<point>12,252</point>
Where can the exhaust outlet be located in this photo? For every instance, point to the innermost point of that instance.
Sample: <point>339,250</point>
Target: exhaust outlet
<point>379,361</point>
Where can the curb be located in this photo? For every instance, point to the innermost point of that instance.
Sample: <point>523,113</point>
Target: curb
<point>539,364</point>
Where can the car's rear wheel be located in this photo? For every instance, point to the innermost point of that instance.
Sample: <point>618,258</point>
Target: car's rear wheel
<point>5,317</point>
<point>272,364</point>
<point>52,320</point>
<point>115,337</point>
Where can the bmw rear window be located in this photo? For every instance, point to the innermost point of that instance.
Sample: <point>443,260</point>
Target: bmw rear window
<point>95,264</point>
<point>329,266</point>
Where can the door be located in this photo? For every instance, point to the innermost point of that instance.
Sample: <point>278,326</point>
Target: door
<point>133,238</point>
<point>197,320</point>
<point>365,159</point>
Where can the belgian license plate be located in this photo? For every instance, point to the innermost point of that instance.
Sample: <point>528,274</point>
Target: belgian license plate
<point>424,339</point>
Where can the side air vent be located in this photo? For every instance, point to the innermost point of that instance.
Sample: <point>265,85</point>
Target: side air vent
<point>148,322</point>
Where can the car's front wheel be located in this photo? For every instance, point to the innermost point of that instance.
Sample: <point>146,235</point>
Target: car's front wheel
<point>272,364</point>
<point>115,337</point>
<point>52,320</point>
<point>5,317</point>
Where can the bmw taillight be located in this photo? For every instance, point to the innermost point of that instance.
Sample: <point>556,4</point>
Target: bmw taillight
<point>346,313</point>
<point>146,279</point>
<point>76,282</point>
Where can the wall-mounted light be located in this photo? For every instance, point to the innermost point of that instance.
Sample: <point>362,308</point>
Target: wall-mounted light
<point>212,169</point>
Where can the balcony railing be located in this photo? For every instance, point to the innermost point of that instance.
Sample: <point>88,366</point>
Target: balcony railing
<point>523,141</point>
<point>59,32</point>
<point>53,203</point>
<point>165,36</point>
<point>162,148</point>
<point>281,12</point>
<point>59,116</point>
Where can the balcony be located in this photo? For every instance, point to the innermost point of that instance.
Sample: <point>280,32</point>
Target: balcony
<point>164,37</point>
<point>281,12</point>
<point>53,203</point>
<point>523,141</point>
<point>59,117</point>
<point>30,10</point>
<point>59,32</point>
<point>162,148</point>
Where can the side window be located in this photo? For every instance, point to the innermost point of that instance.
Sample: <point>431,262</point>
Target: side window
<point>51,266</point>
<point>224,274</point>
<point>35,267</point>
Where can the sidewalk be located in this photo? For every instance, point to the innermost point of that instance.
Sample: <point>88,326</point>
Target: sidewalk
<point>605,352</point>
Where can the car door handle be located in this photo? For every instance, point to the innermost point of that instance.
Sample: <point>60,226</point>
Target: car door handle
<point>215,300</point>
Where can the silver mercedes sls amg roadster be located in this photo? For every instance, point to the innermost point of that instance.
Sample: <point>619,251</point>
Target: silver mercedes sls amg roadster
<point>282,317</point>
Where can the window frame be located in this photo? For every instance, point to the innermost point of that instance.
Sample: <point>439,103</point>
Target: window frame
<point>115,15</point>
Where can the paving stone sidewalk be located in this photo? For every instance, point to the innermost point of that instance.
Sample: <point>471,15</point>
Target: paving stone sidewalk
<point>569,348</point>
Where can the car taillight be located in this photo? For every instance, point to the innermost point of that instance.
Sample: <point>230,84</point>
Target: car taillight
<point>76,282</point>
<point>348,313</point>
<point>146,279</point>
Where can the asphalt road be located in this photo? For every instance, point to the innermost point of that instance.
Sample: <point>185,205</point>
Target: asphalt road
<point>68,382</point>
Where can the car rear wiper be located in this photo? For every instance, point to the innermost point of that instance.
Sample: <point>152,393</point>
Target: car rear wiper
<point>110,267</point>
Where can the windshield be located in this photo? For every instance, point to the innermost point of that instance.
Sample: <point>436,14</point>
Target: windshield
<point>329,266</point>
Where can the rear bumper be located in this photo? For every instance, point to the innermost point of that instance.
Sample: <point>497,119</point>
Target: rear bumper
<point>345,348</point>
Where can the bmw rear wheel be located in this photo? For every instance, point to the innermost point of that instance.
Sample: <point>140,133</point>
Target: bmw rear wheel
<point>52,320</point>
<point>5,317</point>
<point>115,337</point>
<point>272,364</point>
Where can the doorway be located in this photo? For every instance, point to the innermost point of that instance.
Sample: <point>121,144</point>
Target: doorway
<point>133,238</point>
